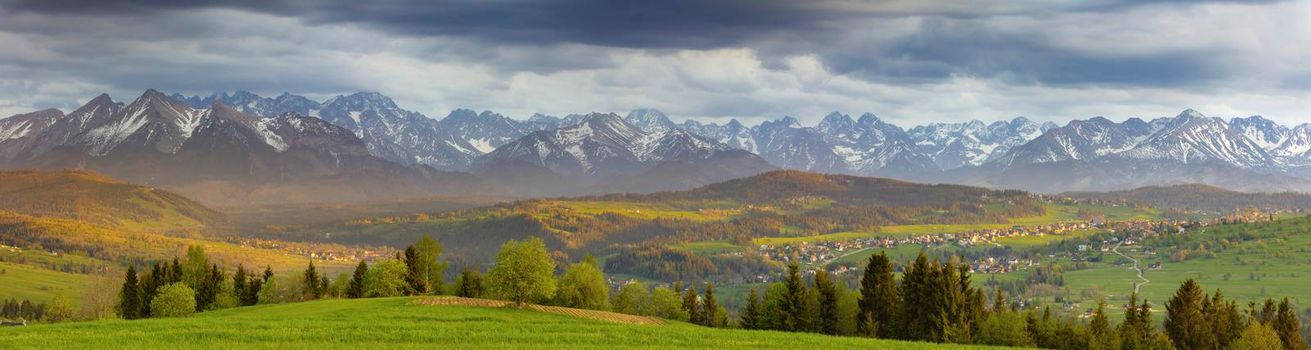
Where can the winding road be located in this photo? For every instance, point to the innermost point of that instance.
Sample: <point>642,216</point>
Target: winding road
<point>1137,285</point>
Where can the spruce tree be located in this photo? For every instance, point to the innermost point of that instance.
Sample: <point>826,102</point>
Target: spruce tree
<point>310,281</point>
<point>710,307</point>
<point>693,307</point>
<point>129,298</point>
<point>827,320</point>
<point>916,313</point>
<point>356,289</point>
<point>239,284</point>
<point>793,306</point>
<point>471,283</point>
<point>208,288</point>
<point>1185,322</point>
<point>416,272</point>
<point>1289,328</point>
<point>878,297</point>
<point>750,318</point>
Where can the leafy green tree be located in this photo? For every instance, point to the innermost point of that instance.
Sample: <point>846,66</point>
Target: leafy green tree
<point>340,285</point>
<point>524,272</point>
<point>129,298</point>
<point>357,289</point>
<point>196,268</point>
<point>666,304</point>
<point>429,255</point>
<point>848,310</point>
<point>750,317</point>
<point>385,279</point>
<point>632,298</point>
<point>174,300</point>
<point>269,292</point>
<point>1004,328</point>
<point>1185,322</point>
<point>1257,336</point>
<point>60,309</point>
<point>583,286</point>
<point>827,321</point>
<point>471,283</point>
<point>878,298</point>
<point>226,297</point>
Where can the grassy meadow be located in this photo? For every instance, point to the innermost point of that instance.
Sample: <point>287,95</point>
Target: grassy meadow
<point>397,323</point>
<point>26,282</point>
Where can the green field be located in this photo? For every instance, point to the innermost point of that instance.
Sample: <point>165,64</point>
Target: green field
<point>394,323</point>
<point>38,284</point>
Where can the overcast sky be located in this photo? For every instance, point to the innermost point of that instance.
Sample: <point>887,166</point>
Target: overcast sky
<point>909,62</point>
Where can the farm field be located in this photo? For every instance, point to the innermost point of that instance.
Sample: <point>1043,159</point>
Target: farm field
<point>1271,263</point>
<point>397,323</point>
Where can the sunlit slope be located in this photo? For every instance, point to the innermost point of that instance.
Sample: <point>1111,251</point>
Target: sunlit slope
<point>97,199</point>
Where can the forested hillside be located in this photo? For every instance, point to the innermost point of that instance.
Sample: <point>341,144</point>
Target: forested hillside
<point>644,226</point>
<point>101,200</point>
<point>1200,197</point>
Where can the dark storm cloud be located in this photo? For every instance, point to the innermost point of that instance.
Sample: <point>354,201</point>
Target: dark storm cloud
<point>694,24</point>
<point>935,52</point>
<point>636,24</point>
<point>941,48</point>
<point>698,54</point>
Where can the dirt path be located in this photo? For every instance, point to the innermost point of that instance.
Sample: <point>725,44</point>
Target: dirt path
<point>580,313</point>
<point>1136,267</point>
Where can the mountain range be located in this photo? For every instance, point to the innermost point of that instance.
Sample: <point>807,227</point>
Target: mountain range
<point>248,145</point>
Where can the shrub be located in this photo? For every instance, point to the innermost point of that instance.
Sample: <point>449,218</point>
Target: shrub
<point>174,300</point>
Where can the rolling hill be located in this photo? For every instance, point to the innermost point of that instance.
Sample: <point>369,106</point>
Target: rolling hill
<point>99,199</point>
<point>397,323</point>
<point>774,204</point>
<point>1201,197</point>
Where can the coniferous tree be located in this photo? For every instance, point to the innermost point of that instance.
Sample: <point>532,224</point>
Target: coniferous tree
<point>129,298</point>
<point>1226,322</point>
<point>878,298</point>
<point>691,304</point>
<point>471,283</point>
<point>239,284</point>
<point>713,316</point>
<point>150,285</point>
<point>750,318</point>
<point>1289,328</point>
<point>416,272</point>
<point>793,306</point>
<point>310,281</point>
<point>827,292</point>
<point>208,288</point>
<point>1185,322</point>
<point>915,314</point>
<point>1099,330</point>
<point>356,289</point>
